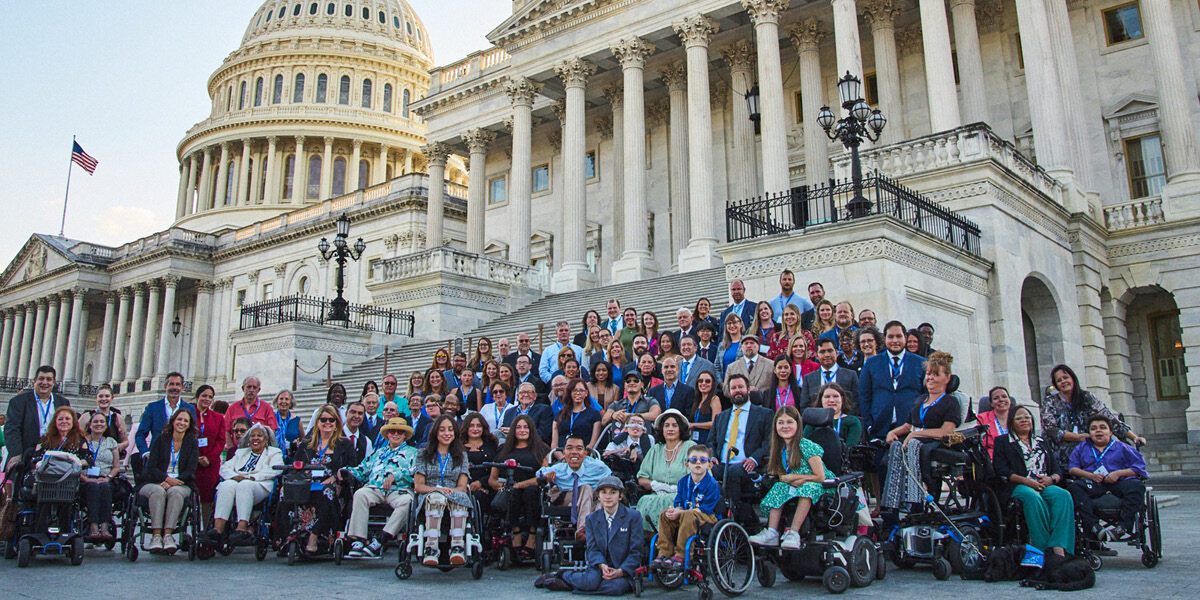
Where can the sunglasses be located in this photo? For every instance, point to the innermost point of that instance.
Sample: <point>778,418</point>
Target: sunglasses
<point>697,460</point>
<point>327,420</point>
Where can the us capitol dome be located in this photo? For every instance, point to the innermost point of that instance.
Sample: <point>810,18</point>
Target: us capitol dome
<point>314,103</point>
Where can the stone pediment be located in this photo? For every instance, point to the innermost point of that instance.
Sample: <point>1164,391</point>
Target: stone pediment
<point>538,14</point>
<point>36,258</point>
<point>1133,105</point>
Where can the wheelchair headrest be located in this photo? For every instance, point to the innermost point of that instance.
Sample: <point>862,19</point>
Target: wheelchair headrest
<point>952,385</point>
<point>817,417</point>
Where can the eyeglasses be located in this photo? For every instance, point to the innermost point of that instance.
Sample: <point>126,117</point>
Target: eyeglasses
<point>327,420</point>
<point>697,460</point>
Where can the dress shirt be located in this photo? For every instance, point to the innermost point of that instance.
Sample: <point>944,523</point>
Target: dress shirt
<point>590,472</point>
<point>740,415</point>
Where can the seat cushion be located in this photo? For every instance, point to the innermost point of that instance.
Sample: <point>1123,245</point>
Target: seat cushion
<point>1107,505</point>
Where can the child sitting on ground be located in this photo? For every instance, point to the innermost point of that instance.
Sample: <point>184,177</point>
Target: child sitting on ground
<point>696,497</point>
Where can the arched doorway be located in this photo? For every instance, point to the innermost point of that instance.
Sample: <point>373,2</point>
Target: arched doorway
<point>1042,327</point>
<point>1156,359</point>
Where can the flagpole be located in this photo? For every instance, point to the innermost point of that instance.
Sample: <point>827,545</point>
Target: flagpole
<point>70,163</point>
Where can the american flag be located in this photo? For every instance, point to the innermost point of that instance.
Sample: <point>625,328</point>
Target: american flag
<point>83,159</point>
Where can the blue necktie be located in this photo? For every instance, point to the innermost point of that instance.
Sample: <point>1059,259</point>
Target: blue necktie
<point>575,499</point>
<point>686,364</point>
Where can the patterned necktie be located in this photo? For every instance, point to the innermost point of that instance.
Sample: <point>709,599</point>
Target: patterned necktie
<point>895,371</point>
<point>686,364</point>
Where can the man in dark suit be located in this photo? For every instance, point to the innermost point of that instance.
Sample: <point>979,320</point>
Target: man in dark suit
<point>672,393</point>
<point>829,372</point>
<point>816,293</point>
<point>889,384</point>
<point>740,306</point>
<point>543,417</point>
<point>524,369</point>
<point>615,544</point>
<point>523,349</point>
<point>29,414</point>
<point>615,322</point>
<point>691,365</point>
<point>432,410</point>
<point>683,317</point>
<point>157,413</point>
<point>741,438</point>
<point>359,438</point>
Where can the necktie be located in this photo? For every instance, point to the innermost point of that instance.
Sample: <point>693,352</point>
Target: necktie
<point>686,364</point>
<point>828,376</point>
<point>575,498</point>
<point>750,368</point>
<point>733,432</point>
<point>354,440</point>
<point>895,371</point>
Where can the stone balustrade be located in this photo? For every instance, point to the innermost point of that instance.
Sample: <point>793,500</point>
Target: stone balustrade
<point>445,260</point>
<point>1130,215</point>
<point>472,66</point>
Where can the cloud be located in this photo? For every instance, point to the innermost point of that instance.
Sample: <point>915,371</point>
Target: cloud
<point>121,224</point>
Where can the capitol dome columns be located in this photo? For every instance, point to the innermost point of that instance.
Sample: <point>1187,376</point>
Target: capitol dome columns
<point>574,274</point>
<point>435,156</point>
<point>170,283</point>
<point>59,359</point>
<point>327,169</point>
<point>218,197</point>
<point>806,37</point>
<point>478,140</point>
<point>764,14</point>
<point>244,172</point>
<point>701,252</point>
<point>881,14</point>
<point>352,168</point>
<point>185,171</point>
<point>271,194</point>
<point>300,173</point>
<point>635,262</point>
<point>205,200</point>
<point>521,90</point>
<point>119,339</point>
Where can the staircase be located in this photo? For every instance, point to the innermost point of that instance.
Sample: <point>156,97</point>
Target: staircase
<point>1173,459</point>
<point>662,296</point>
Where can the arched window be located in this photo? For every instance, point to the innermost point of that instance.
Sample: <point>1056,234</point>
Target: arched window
<point>231,182</point>
<point>382,18</point>
<point>322,84</point>
<point>330,9</point>
<point>366,93</point>
<point>314,177</point>
<point>229,99</point>
<point>344,90</point>
<point>296,10</point>
<point>349,11</point>
<point>298,89</point>
<point>269,13</point>
<point>387,97</point>
<point>339,176</point>
<point>396,22</point>
<point>405,98</point>
<point>277,93</point>
<point>312,8</point>
<point>282,11</point>
<point>258,91</point>
<point>303,285</point>
<point>242,97</point>
<point>364,173</point>
<point>289,176</point>
<point>366,14</point>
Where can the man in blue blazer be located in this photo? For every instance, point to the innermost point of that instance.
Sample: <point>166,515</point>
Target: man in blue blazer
<point>672,393</point>
<point>157,413</point>
<point>889,384</point>
<point>740,306</point>
<point>615,544</point>
<point>691,365</point>
<point>30,414</point>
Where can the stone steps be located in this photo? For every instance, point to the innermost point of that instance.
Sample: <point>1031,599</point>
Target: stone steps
<point>1174,459</point>
<point>661,295</point>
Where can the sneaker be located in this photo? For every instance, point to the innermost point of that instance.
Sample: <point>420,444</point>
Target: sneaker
<point>766,537</point>
<point>373,550</point>
<point>356,550</point>
<point>675,562</point>
<point>237,537</point>
<point>431,556</point>
<point>458,555</point>
<point>790,540</point>
<point>170,545</point>
<point>156,544</point>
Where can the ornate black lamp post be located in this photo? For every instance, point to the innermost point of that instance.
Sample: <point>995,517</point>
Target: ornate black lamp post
<point>340,308</point>
<point>752,98</point>
<point>860,122</point>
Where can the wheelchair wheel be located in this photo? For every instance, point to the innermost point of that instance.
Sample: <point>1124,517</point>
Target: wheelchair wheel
<point>403,570</point>
<point>880,565</point>
<point>506,558</point>
<point>1152,535</point>
<point>862,565</point>
<point>766,574</point>
<point>260,551</point>
<point>131,552</point>
<point>836,579</point>
<point>24,552</point>
<point>705,592</point>
<point>545,562</point>
<point>293,553</point>
<point>639,585</point>
<point>730,558</point>
<point>77,551</point>
<point>477,569</point>
<point>966,557</point>
<point>941,569</point>
<point>338,547</point>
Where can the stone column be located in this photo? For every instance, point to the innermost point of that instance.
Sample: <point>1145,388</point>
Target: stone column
<point>435,156</point>
<point>104,367</point>
<point>204,202</point>
<point>615,94</point>
<point>271,193</point>
<point>33,359</point>
<point>300,174</point>
<point>1178,129</point>
<point>201,334</point>
<point>806,36</point>
<point>355,158</point>
<point>478,140</point>
<point>1046,110</point>
<point>76,362</point>
<point>1063,44</point>
<point>189,202</point>
<point>120,343</point>
<point>520,91</point>
<point>150,333</point>
<point>16,349</point>
<point>243,182</point>
<point>1116,345</point>
<point>574,274</point>
<point>635,262</point>
<point>675,76</point>
<point>63,330</point>
<point>170,283</point>
<point>939,67</point>
<point>765,16</point>
<point>6,340</point>
<point>24,357</point>
<point>136,330</point>
<point>743,158</point>
<point>185,169</point>
<point>378,170</point>
<point>49,331</point>
<point>970,62</point>
<point>701,252</point>
<point>222,177</point>
<point>845,39</point>
<point>74,336</point>
<point>327,170</point>
<point>881,14</point>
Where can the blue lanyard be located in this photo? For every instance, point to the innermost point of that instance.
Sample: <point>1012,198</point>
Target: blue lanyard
<point>250,413</point>
<point>895,369</point>
<point>46,413</point>
<point>443,462</point>
<point>201,419</point>
<point>321,448</point>
<point>95,450</point>
<point>785,462</point>
<point>837,426</point>
<point>496,413</point>
<point>1098,456</point>
<point>574,415</point>
<point>787,398</point>
<point>174,457</point>
<point>691,492</point>
<point>925,408</point>
<point>1000,428</point>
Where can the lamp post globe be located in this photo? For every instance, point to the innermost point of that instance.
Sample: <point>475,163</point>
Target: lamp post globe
<point>860,123</point>
<point>341,252</point>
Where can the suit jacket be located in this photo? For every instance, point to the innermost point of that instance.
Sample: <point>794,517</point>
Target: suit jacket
<point>534,359</point>
<point>372,431</point>
<point>538,384</point>
<point>881,406</point>
<point>619,546</point>
<point>699,365</point>
<point>1009,461</point>
<point>21,429</point>
<point>711,353</point>
<point>160,460</point>
<point>844,377</point>
<point>760,379</point>
<point>614,326</point>
<point>543,419</point>
<point>769,398</point>
<point>681,400</point>
<point>758,433</point>
<point>747,315</point>
<point>362,446</point>
<point>154,420</point>
<point>807,318</point>
<point>679,334</point>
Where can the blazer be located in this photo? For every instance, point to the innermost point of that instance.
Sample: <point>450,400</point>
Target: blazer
<point>881,406</point>
<point>362,446</point>
<point>159,462</point>
<point>1008,460</point>
<point>681,400</point>
<point>770,397</point>
<point>22,429</point>
<point>758,433</point>
<point>538,385</point>
<point>699,365</point>
<point>679,334</point>
<point>534,359</point>
<point>372,431</point>
<point>747,315</point>
<point>760,379</point>
<point>844,377</point>
<point>614,326</point>
<point>542,415</point>
<point>711,353</point>
<point>619,546</point>
<point>154,420</point>
<point>263,471</point>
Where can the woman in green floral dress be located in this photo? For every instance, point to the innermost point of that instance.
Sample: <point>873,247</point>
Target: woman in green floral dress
<point>665,464</point>
<point>797,463</point>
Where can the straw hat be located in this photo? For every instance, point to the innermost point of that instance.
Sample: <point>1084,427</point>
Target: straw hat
<point>397,424</point>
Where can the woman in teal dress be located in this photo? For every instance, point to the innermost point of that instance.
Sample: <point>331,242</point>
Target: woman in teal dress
<point>665,464</point>
<point>797,463</point>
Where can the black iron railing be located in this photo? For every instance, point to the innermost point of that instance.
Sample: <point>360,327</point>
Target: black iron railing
<point>311,309</point>
<point>804,207</point>
<point>15,384</point>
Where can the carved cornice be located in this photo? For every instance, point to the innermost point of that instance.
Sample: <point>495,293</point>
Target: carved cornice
<point>806,35</point>
<point>880,14</point>
<point>739,55</point>
<point>632,52</point>
<point>1160,244</point>
<point>440,291</point>
<point>697,31</point>
<point>171,280</point>
<point>436,153</point>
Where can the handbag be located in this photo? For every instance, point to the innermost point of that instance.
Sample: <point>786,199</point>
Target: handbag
<point>502,501</point>
<point>56,467</point>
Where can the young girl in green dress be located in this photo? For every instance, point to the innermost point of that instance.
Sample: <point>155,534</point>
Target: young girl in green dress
<point>797,463</point>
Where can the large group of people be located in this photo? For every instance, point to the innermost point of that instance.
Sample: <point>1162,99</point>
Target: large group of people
<point>669,412</point>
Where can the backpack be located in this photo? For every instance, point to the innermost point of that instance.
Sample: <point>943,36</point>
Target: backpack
<point>1064,573</point>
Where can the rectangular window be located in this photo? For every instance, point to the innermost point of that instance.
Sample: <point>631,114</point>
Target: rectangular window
<point>1145,165</point>
<point>799,98</point>
<point>871,88</point>
<point>954,63</point>
<point>1166,343</point>
<point>268,291</point>
<point>241,298</point>
<point>589,165</point>
<point>497,190</point>
<point>541,178</point>
<point>1122,23</point>
<point>1020,54</point>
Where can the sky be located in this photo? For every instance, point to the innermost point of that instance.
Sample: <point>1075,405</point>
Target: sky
<point>128,79</point>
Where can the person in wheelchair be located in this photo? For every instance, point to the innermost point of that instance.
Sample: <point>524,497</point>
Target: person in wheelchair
<point>695,506</point>
<point>98,481</point>
<point>614,547</point>
<point>441,475</point>
<point>247,480</point>
<point>167,478</point>
<point>1027,466</point>
<point>62,435</point>
<point>934,416</point>
<point>663,467</point>
<point>387,475</point>
<point>1105,465</point>
<point>740,435</point>
<point>848,427</point>
<point>574,479</point>
<point>797,463</point>
<point>526,449</point>
<point>327,447</point>
<point>630,443</point>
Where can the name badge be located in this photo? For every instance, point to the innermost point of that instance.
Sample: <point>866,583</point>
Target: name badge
<point>93,472</point>
<point>202,442</point>
<point>1101,471</point>
<point>317,473</point>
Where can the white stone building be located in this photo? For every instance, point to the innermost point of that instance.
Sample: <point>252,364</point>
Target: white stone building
<point>610,141</point>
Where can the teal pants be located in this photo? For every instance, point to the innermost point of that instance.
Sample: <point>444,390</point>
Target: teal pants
<point>1049,515</point>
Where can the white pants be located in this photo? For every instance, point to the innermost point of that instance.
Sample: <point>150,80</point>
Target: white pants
<point>240,494</point>
<point>365,498</point>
